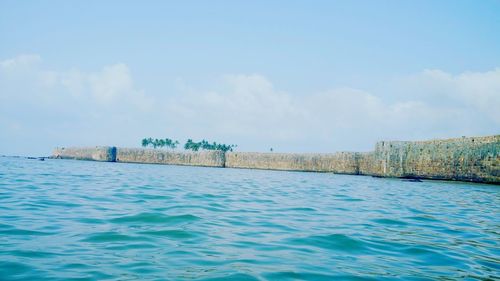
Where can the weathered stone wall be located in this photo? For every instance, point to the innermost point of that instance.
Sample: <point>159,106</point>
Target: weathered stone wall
<point>97,153</point>
<point>369,164</point>
<point>386,160</point>
<point>157,156</point>
<point>342,162</point>
<point>474,159</point>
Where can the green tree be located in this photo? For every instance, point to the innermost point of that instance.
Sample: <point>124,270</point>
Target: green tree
<point>173,144</point>
<point>205,145</point>
<point>156,143</point>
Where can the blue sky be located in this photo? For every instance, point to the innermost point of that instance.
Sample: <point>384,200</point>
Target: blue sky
<point>293,75</point>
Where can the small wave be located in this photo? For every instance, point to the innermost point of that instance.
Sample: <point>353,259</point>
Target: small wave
<point>78,266</point>
<point>272,225</point>
<point>111,237</point>
<point>17,231</point>
<point>155,218</point>
<point>202,196</point>
<point>59,203</point>
<point>428,256</point>
<point>90,220</point>
<point>237,276</point>
<point>389,222</point>
<point>139,267</point>
<point>352,199</point>
<point>8,268</point>
<point>292,275</point>
<point>154,197</point>
<point>5,226</point>
<point>336,242</point>
<point>423,218</point>
<point>31,254</point>
<point>171,233</point>
<point>132,245</point>
<point>298,209</point>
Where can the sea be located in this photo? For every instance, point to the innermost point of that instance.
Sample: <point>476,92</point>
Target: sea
<point>83,220</point>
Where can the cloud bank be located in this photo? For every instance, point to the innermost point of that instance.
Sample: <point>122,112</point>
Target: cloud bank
<point>41,108</point>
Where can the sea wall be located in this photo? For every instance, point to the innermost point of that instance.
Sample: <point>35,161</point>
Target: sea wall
<point>96,153</point>
<point>341,162</point>
<point>475,159</point>
<point>155,156</point>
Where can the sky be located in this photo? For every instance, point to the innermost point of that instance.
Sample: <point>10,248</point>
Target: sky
<point>295,76</point>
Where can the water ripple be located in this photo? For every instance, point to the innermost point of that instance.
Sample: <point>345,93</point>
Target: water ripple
<point>155,218</point>
<point>334,242</point>
<point>111,236</point>
<point>80,220</point>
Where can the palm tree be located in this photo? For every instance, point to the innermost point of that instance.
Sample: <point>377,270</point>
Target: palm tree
<point>175,144</point>
<point>155,143</point>
<point>168,142</point>
<point>188,144</point>
<point>205,145</point>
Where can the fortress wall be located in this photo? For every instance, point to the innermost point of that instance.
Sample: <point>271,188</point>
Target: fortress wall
<point>157,156</point>
<point>385,161</point>
<point>369,164</point>
<point>97,153</point>
<point>475,159</point>
<point>342,162</point>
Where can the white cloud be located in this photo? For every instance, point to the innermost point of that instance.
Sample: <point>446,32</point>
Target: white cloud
<point>44,107</point>
<point>105,107</point>
<point>75,82</point>
<point>110,83</point>
<point>21,61</point>
<point>249,108</point>
<point>110,86</point>
<point>243,106</point>
<point>477,90</point>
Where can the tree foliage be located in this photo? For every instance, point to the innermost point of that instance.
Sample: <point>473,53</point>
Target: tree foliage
<point>155,143</point>
<point>189,145</point>
<point>205,145</point>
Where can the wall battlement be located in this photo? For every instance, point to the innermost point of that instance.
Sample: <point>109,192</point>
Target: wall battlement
<point>474,159</point>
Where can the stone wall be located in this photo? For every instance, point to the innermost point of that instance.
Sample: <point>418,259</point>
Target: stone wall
<point>386,160</point>
<point>475,159</point>
<point>342,162</point>
<point>158,156</point>
<point>97,153</point>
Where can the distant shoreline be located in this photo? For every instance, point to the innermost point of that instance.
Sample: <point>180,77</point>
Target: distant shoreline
<point>469,159</point>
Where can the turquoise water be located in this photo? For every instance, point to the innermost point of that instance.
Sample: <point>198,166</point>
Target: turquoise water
<point>63,220</point>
